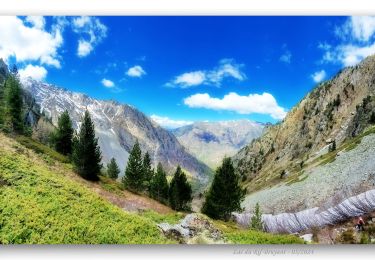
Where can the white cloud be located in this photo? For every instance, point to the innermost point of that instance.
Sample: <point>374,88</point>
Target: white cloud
<point>227,69</point>
<point>35,72</point>
<point>91,32</point>
<point>360,28</point>
<point>136,71</point>
<point>319,76</point>
<point>37,21</point>
<point>108,83</point>
<point>286,57</point>
<point>84,48</point>
<point>190,79</point>
<point>253,103</point>
<point>169,123</point>
<point>27,40</point>
<point>357,41</point>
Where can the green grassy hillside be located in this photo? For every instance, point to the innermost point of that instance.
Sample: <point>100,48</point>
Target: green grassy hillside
<point>40,206</point>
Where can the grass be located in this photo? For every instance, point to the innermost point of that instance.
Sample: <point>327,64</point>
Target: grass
<point>257,237</point>
<point>171,218</point>
<point>247,236</point>
<point>44,207</point>
<point>41,148</point>
<point>110,185</point>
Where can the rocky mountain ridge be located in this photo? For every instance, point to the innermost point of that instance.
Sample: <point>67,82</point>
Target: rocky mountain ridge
<point>117,126</point>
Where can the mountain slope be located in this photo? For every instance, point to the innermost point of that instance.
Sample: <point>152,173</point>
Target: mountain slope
<point>118,126</point>
<point>211,141</point>
<point>45,206</point>
<point>336,110</point>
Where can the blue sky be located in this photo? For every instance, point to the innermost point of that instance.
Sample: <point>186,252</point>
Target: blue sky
<point>184,69</point>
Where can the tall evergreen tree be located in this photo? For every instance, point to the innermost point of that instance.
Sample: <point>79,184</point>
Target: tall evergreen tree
<point>148,172</point>
<point>86,155</point>
<point>225,194</point>
<point>112,169</point>
<point>180,193</point>
<point>13,104</point>
<point>159,185</point>
<point>133,179</point>
<point>64,134</point>
<point>256,220</point>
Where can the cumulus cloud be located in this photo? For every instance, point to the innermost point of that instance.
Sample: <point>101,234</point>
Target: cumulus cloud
<point>319,76</point>
<point>136,71</point>
<point>26,40</point>
<point>252,103</point>
<point>84,48</point>
<point>356,37</point>
<point>34,72</point>
<point>169,123</point>
<point>107,83</point>
<point>91,32</point>
<point>227,68</point>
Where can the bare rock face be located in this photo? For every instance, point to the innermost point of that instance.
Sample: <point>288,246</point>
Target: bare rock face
<point>314,217</point>
<point>117,126</point>
<point>211,141</point>
<point>193,229</point>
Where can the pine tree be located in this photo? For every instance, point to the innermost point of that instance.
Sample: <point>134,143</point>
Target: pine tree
<point>13,104</point>
<point>64,134</point>
<point>225,194</point>
<point>133,178</point>
<point>147,173</point>
<point>180,193</point>
<point>86,155</point>
<point>159,185</point>
<point>112,169</point>
<point>256,219</point>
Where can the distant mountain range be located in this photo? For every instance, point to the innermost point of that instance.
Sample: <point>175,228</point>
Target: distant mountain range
<point>211,141</point>
<point>117,126</point>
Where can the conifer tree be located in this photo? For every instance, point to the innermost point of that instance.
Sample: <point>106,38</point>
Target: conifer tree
<point>13,104</point>
<point>133,179</point>
<point>64,134</point>
<point>256,219</point>
<point>148,172</point>
<point>180,193</point>
<point>86,155</point>
<point>159,185</point>
<point>225,194</point>
<point>112,169</point>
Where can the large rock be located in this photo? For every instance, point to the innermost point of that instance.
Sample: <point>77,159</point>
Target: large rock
<point>193,229</point>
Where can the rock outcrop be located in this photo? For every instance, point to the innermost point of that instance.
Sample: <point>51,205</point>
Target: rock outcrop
<point>193,229</point>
